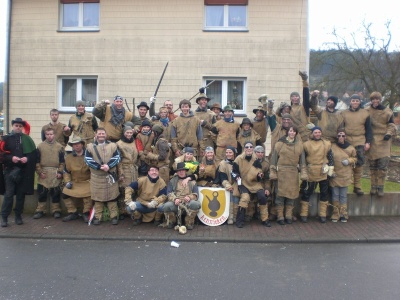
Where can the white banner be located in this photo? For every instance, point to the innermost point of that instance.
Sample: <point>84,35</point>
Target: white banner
<point>214,209</point>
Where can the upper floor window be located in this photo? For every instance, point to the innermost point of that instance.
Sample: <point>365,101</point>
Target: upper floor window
<point>225,15</point>
<point>227,91</point>
<point>79,15</point>
<point>72,89</point>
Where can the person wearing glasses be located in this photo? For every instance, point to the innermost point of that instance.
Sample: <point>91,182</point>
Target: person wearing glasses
<point>287,156</point>
<point>248,173</point>
<point>19,154</point>
<point>345,157</point>
<point>113,116</point>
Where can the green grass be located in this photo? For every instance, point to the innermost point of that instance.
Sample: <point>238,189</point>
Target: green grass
<point>395,150</point>
<point>366,186</point>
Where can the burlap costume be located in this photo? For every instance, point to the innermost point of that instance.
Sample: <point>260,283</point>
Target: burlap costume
<point>358,130</point>
<point>286,160</point>
<point>207,176</point>
<point>50,162</point>
<point>329,121</point>
<point>227,133</point>
<point>244,137</point>
<point>209,117</point>
<point>60,135</point>
<point>160,157</point>
<point>186,132</point>
<point>77,172</point>
<point>103,111</point>
<point>379,153</point>
<point>147,190</point>
<point>144,145</point>
<point>83,126</point>
<point>102,187</point>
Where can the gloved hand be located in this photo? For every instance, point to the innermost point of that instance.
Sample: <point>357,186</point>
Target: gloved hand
<point>310,126</point>
<point>152,99</point>
<point>155,117</point>
<point>387,137</point>
<point>152,204</point>
<point>132,205</point>
<point>331,171</point>
<point>263,99</point>
<point>68,185</point>
<point>303,75</point>
<point>204,123</point>
<point>345,162</point>
<point>271,103</point>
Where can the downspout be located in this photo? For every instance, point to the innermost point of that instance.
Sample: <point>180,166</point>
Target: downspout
<point>7,77</point>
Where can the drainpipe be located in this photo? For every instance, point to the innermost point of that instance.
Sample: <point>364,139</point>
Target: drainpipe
<point>7,77</point>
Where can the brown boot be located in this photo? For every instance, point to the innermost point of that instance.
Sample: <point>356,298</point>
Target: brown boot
<point>189,219</point>
<point>158,218</point>
<point>335,211</point>
<point>250,211</point>
<point>264,215</point>
<point>289,214</point>
<point>280,218</point>
<point>304,211</point>
<point>380,182</point>
<point>358,170</point>
<point>343,213</point>
<point>171,219</point>
<point>372,174</point>
<point>235,209</point>
<point>322,211</point>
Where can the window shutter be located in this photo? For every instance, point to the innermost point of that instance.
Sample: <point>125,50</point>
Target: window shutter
<point>226,2</point>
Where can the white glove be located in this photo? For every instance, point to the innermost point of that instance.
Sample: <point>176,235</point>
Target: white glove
<point>263,99</point>
<point>152,204</point>
<point>310,126</point>
<point>345,162</point>
<point>331,171</point>
<point>152,99</point>
<point>132,205</point>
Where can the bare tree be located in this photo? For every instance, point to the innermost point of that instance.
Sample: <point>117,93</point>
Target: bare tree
<point>369,67</point>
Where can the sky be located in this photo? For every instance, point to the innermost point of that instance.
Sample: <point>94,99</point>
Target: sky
<point>346,16</point>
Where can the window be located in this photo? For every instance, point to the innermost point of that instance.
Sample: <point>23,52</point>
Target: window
<point>225,15</point>
<point>79,15</point>
<point>72,89</point>
<point>227,91</point>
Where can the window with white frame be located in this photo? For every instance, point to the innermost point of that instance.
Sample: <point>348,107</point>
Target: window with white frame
<point>72,89</point>
<point>79,15</point>
<point>227,91</point>
<point>225,15</point>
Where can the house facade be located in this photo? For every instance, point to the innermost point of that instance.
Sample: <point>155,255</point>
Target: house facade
<point>61,51</point>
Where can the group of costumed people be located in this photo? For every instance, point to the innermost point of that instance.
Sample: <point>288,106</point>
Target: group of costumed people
<point>150,167</point>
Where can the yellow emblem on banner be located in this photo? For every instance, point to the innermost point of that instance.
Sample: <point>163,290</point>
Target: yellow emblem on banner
<point>214,209</point>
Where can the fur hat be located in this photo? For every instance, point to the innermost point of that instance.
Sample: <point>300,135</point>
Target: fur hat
<point>334,99</point>
<point>76,140</point>
<point>246,121</point>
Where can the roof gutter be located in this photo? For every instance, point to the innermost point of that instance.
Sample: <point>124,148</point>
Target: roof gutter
<point>8,55</point>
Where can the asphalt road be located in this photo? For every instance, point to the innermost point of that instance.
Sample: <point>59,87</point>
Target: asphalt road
<point>57,269</point>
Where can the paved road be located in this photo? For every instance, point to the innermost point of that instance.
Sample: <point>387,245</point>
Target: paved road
<point>73,269</point>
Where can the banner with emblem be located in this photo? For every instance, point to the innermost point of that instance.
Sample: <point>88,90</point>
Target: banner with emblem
<point>214,209</point>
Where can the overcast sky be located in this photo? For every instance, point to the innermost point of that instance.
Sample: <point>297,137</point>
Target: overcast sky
<point>345,15</point>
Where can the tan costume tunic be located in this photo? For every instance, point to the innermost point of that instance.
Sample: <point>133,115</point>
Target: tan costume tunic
<point>354,124</point>
<point>329,122</point>
<point>78,172</point>
<point>82,127</point>
<point>160,157</point>
<point>127,166</point>
<point>261,127</point>
<point>167,129</point>
<point>226,133</point>
<point>102,189</point>
<point>185,128</point>
<point>316,152</point>
<point>380,127</point>
<point>208,116</point>
<point>50,163</point>
<point>103,112</point>
<point>149,191</point>
<point>207,176</point>
<point>300,120</point>
<point>60,135</point>
<point>253,137</point>
<point>343,173</point>
<point>287,157</point>
<point>248,173</point>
